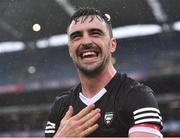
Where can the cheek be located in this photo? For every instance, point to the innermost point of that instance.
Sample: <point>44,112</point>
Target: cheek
<point>107,47</point>
<point>72,51</point>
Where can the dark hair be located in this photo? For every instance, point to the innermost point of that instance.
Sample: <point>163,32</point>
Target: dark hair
<point>87,11</point>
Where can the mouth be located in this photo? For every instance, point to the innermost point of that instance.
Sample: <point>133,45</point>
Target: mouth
<point>88,54</point>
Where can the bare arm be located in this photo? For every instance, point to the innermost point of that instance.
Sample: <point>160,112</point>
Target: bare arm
<point>82,124</point>
<point>142,135</point>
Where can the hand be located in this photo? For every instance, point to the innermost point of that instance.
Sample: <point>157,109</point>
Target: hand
<point>79,125</point>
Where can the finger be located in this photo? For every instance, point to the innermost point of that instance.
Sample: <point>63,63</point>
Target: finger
<point>89,130</point>
<point>90,115</point>
<point>84,112</point>
<point>68,114</point>
<point>91,121</point>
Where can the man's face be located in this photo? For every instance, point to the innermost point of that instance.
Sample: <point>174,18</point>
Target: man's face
<point>90,44</point>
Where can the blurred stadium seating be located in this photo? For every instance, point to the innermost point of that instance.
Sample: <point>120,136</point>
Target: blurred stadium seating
<point>25,108</point>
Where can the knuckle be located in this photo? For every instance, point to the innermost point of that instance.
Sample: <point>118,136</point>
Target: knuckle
<point>73,123</point>
<point>80,122</point>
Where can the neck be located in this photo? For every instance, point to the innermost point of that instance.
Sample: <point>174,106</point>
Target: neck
<point>92,85</point>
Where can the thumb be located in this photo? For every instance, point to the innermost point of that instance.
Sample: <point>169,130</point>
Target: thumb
<point>69,113</point>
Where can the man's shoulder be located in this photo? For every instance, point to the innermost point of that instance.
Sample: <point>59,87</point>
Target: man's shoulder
<point>63,95</point>
<point>66,95</point>
<point>130,84</point>
<point>127,82</point>
<point>137,90</point>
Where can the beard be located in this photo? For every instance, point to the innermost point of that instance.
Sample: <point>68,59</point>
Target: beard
<point>94,68</point>
<point>91,69</point>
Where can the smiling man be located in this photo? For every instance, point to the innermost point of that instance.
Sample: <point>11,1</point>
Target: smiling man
<point>105,103</point>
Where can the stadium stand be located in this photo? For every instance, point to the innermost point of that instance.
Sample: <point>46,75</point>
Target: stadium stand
<point>155,63</point>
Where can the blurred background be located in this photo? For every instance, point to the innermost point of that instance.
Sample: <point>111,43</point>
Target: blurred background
<point>35,65</point>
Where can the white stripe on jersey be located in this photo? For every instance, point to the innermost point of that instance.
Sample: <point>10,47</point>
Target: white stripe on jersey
<point>51,124</point>
<point>146,109</point>
<point>145,129</point>
<point>50,127</point>
<point>147,115</point>
<point>89,101</point>
<point>49,131</point>
<point>148,120</point>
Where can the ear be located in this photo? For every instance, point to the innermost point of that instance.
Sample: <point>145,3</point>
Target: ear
<point>113,45</point>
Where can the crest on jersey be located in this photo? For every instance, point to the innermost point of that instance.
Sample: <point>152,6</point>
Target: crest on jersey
<point>108,117</point>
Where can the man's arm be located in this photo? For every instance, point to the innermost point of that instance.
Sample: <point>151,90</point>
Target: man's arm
<point>145,130</point>
<point>82,124</point>
<point>144,115</point>
<point>142,135</point>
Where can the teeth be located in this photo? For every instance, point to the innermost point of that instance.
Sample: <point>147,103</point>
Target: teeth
<point>89,54</point>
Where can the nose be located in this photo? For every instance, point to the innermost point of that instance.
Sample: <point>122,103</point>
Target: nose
<point>86,39</point>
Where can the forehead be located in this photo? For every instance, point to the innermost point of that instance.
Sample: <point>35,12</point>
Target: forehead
<point>90,22</point>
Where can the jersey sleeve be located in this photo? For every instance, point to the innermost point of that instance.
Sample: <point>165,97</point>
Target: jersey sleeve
<point>142,108</point>
<point>57,112</point>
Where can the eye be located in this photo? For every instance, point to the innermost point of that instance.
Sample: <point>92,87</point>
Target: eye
<point>96,32</point>
<point>75,36</point>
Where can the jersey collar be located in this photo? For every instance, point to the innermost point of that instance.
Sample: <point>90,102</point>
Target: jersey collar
<point>89,101</point>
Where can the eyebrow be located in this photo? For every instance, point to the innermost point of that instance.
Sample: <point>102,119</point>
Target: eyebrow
<point>95,29</point>
<point>89,30</point>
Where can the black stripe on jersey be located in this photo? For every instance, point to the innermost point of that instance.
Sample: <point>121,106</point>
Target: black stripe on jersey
<point>147,115</point>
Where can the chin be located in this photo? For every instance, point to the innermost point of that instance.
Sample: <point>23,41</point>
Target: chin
<point>91,71</point>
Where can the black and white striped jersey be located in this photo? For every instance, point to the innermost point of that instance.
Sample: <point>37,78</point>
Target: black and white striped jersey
<point>125,106</point>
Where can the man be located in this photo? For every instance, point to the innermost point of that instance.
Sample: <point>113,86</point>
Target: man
<point>105,103</point>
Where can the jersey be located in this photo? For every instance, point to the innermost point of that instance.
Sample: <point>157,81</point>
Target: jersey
<point>124,103</point>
